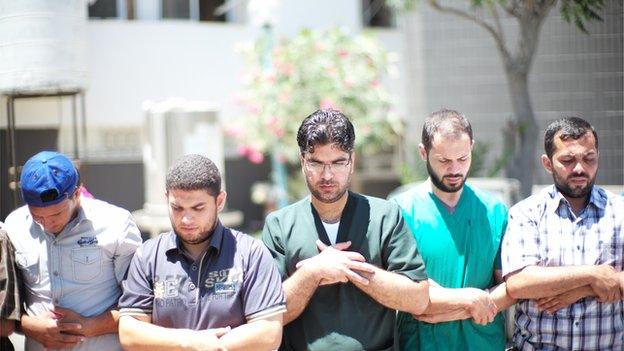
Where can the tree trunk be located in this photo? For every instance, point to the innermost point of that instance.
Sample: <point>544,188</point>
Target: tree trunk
<point>521,164</point>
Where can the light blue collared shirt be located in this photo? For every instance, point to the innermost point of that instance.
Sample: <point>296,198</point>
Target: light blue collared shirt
<point>80,268</point>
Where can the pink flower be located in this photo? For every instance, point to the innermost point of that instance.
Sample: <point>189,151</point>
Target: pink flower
<point>270,77</point>
<point>283,97</point>
<point>243,150</point>
<point>272,120</point>
<point>343,53</point>
<point>327,104</point>
<point>233,131</point>
<point>255,156</point>
<point>253,108</point>
<point>279,132</point>
<point>285,69</point>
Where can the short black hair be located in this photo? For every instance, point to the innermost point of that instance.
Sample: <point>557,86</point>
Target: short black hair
<point>446,121</point>
<point>194,172</point>
<point>570,127</point>
<point>326,127</point>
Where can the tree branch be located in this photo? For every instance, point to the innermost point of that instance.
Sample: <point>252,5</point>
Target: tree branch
<point>465,15</point>
<point>513,9</point>
<point>497,22</point>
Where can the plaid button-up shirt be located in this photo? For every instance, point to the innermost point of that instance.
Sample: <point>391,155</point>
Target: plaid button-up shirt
<point>543,231</point>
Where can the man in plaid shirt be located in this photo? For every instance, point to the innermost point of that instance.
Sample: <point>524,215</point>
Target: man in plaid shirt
<point>562,256</point>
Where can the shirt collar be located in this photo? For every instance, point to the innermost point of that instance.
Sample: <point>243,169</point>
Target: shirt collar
<point>597,198</point>
<point>173,242</point>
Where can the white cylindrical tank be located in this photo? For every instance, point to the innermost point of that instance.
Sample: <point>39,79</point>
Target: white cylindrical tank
<point>43,46</point>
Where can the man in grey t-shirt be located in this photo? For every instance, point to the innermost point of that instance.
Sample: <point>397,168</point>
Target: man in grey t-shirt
<point>202,285</point>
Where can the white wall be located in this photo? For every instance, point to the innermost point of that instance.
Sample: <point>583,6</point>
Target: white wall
<point>130,62</point>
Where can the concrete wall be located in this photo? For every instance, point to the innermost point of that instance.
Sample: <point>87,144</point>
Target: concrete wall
<point>455,64</point>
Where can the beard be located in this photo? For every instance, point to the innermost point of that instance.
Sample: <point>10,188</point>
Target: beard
<point>330,197</point>
<point>196,239</point>
<point>438,181</point>
<point>575,192</point>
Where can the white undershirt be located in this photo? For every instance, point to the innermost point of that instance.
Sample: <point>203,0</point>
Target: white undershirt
<point>332,231</point>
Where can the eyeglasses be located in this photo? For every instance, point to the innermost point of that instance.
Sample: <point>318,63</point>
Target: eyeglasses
<point>334,167</point>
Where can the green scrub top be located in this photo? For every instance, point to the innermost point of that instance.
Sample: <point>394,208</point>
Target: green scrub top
<point>461,250</point>
<point>341,316</point>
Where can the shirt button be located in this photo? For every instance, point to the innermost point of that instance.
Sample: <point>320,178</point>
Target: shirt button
<point>576,323</point>
<point>578,247</point>
<point>194,267</point>
<point>191,286</point>
<point>55,273</point>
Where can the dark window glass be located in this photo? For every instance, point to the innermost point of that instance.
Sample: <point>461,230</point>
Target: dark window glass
<point>176,9</point>
<point>375,13</point>
<point>207,10</point>
<point>103,9</point>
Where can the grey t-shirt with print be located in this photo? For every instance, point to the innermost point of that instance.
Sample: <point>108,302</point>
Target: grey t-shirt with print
<point>234,282</point>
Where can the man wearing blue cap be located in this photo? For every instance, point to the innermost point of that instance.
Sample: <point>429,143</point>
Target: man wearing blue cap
<point>72,253</point>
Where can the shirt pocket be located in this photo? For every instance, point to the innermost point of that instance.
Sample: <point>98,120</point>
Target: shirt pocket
<point>28,263</point>
<point>87,263</point>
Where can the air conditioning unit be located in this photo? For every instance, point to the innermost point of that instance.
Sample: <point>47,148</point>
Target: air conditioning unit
<point>173,128</point>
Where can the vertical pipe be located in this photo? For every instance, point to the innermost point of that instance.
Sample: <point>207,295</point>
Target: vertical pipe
<point>11,149</point>
<point>83,115</point>
<point>75,127</point>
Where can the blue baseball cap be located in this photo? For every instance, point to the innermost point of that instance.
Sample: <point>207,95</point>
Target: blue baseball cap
<point>48,178</point>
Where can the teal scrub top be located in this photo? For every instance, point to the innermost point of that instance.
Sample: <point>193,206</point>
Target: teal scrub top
<point>460,250</point>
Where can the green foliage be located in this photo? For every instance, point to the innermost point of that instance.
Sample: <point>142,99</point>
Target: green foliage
<point>581,11</point>
<point>316,69</point>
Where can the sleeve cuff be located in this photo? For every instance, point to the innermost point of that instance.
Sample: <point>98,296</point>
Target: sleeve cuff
<point>269,312</point>
<point>134,312</point>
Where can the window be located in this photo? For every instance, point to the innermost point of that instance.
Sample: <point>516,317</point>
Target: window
<point>375,13</point>
<point>198,10</point>
<point>103,9</point>
<point>111,9</point>
<point>176,9</point>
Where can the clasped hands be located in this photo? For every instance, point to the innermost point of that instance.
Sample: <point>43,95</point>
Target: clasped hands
<point>58,328</point>
<point>334,264</point>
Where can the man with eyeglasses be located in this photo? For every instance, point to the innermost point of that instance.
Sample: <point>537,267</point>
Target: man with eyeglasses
<point>347,260</point>
<point>72,253</point>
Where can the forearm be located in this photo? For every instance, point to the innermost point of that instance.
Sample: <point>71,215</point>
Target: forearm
<point>6,327</point>
<point>584,291</point>
<point>536,282</point>
<point>444,300</point>
<point>298,290</point>
<point>264,334</point>
<point>105,323</point>
<point>396,291</point>
<point>501,298</point>
<point>137,335</point>
<point>621,276</point>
